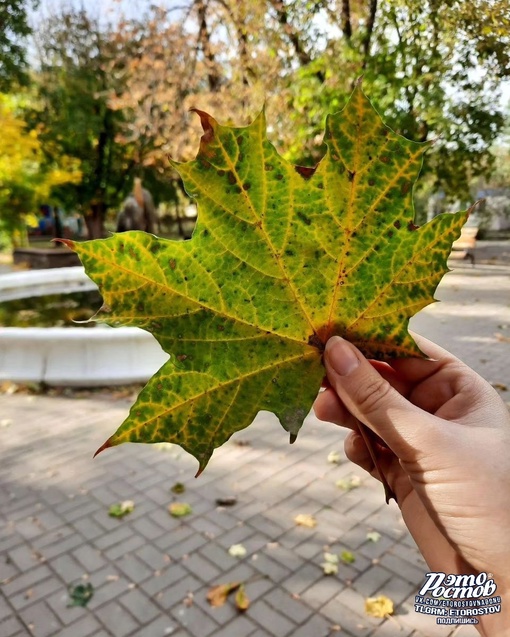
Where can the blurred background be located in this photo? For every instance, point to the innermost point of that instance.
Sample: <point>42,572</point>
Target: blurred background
<point>96,94</point>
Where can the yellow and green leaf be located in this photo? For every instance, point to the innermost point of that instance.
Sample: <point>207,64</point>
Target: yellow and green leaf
<point>281,259</point>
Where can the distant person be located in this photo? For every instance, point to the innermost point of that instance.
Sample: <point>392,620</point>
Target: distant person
<point>45,224</point>
<point>138,211</point>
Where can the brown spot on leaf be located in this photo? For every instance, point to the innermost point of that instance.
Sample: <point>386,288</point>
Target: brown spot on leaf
<point>172,264</point>
<point>385,159</point>
<point>315,341</point>
<point>411,226</point>
<point>305,171</point>
<point>397,224</point>
<point>351,174</point>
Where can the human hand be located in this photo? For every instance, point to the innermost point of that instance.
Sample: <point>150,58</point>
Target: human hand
<point>446,455</point>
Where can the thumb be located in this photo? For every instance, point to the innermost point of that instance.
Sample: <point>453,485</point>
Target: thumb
<point>369,397</point>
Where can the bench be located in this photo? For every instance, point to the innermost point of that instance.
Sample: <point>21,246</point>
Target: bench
<point>464,246</point>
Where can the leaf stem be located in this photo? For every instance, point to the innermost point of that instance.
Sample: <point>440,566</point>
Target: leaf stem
<point>368,436</point>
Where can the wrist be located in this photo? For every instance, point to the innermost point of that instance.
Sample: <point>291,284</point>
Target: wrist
<point>497,624</point>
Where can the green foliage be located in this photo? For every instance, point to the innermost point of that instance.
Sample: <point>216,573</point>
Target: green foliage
<point>27,179</point>
<point>73,86</point>
<point>14,30</point>
<point>281,259</point>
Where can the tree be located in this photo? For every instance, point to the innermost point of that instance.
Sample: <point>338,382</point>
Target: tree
<point>14,29</point>
<point>433,68</point>
<point>73,86</point>
<point>26,178</point>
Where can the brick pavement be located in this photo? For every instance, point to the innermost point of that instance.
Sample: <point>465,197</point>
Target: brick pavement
<point>151,572</point>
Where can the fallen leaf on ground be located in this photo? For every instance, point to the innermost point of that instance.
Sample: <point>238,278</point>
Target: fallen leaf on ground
<point>373,536</point>
<point>501,337</point>
<point>379,607</point>
<point>334,457</point>
<point>347,484</point>
<point>303,519</point>
<point>80,594</point>
<point>348,557</point>
<point>500,386</point>
<point>188,600</point>
<point>330,564</point>
<point>242,601</point>
<point>179,509</point>
<point>237,550</point>
<point>228,501</point>
<point>217,595</point>
<point>178,488</point>
<point>121,509</point>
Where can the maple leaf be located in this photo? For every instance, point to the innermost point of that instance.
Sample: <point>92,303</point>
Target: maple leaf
<point>281,259</point>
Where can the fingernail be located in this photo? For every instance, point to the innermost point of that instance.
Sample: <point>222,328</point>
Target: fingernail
<point>341,356</point>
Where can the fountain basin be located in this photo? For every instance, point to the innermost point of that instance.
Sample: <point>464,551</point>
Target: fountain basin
<point>71,356</point>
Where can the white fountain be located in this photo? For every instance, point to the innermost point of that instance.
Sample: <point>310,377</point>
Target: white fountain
<point>71,356</point>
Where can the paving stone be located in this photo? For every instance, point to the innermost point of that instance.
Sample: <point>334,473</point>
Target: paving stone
<point>173,595</point>
<point>27,580</point>
<point>23,557</point>
<point>240,626</point>
<point>5,609</point>
<point>372,581</point>
<point>193,542</point>
<point>40,620</point>
<point>116,620</point>
<point>322,591</point>
<point>68,568</point>
<point>265,565</point>
<point>88,528</point>
<point>113,538</point>
<point>316,626</point>
<point>34,593</point>
<point>300,581</point>
<point>11,627</point>
<point>161,627</point>
<point>140,606</point>
<point>126,546</point>
<point>194,620</point>
<point>151,556</point>
<point>272,621</point>
<point>87,626</point>
<point>294,609</point>
<point>90,558</point>
<point>134,569</point>
<point>167,577</point>
<point>147,528</point>
<point>63,546</point>
<point>58,602</point>
<point>349,621</point>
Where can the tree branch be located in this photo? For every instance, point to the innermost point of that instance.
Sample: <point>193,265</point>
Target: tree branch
<point>204,38</point>
<point>368,33</point>
<point>303,56</point>
<point>346,20</point>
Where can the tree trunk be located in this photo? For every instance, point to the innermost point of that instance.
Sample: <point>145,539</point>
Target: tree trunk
<point>95,221</point>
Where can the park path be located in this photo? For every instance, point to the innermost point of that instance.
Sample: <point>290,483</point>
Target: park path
<point>151,572</point>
